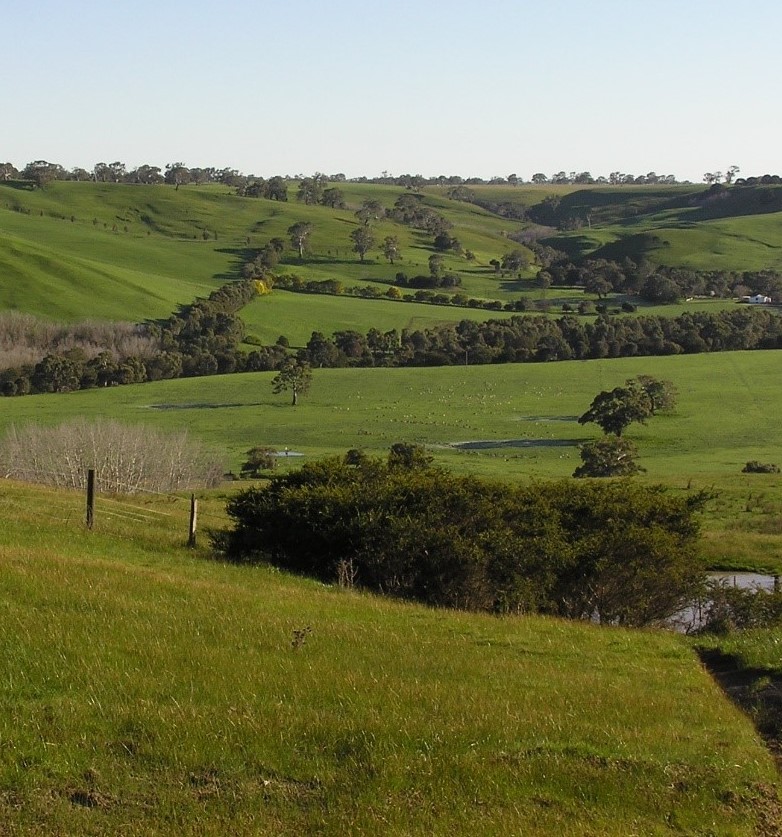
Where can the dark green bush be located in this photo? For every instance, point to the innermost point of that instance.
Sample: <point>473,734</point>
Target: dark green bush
<point>617,552</point>
<point>755,467</point>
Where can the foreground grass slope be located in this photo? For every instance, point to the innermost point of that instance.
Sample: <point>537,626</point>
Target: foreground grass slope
<point>148,690</point>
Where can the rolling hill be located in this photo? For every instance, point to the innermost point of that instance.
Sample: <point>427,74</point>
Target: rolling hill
<point>134,252</point>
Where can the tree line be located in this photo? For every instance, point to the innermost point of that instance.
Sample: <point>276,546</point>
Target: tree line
<point>205,338</point>
<point>651,283</point>
<point>312,187</point>
<point>177,173</point>
<point>535,338</point>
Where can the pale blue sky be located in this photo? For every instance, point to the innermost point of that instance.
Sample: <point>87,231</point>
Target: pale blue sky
<point>482,88</point>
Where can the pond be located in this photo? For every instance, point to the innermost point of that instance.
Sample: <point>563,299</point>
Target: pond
<point>746,581</point>
<point>692,617</point>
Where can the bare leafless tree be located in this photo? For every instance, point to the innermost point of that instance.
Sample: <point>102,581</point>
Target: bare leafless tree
<point>127,458</point>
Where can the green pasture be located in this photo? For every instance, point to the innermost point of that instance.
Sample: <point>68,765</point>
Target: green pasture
<point>296,316</point>
<point>512,421</point>
<point>750,242</point>
<point>742,233</point>
<point>74,282</point>
<point>149,690</point>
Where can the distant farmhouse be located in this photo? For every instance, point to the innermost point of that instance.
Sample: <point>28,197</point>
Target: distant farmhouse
<point>757,299</point>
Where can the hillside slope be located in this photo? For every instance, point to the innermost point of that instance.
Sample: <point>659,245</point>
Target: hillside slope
<point>149,691</point>
<point>121,251</point>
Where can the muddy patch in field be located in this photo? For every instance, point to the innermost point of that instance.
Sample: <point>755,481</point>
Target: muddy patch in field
<point>197,406</point>
<point>547,418</point>
<point>493,444</point>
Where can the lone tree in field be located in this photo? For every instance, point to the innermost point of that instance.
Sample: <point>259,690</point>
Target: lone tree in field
<point>333,197</point>
<point>295,376</point>
<point>407,456</point>
<point>300,233</point>
<point>614,410</point>
<point>608,457</point>
<point>178,174</point>
<point>363,241</point>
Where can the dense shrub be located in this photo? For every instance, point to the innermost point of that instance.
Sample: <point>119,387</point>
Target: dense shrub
<point>755,467</point>
<point>618,553</point>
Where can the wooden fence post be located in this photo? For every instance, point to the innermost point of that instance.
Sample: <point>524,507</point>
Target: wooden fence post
<point>90,497</point>
<point>191,538</point>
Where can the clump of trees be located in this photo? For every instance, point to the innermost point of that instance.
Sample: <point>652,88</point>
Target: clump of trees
<point>613,411</point>
<point>638,400</point>
<point>659,284</point>
<point>127,459</point>
<point>616,553</point>
<point>259,458</point>
<point>608,457</point>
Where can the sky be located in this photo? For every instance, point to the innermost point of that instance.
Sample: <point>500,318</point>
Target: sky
<point>481,88</point>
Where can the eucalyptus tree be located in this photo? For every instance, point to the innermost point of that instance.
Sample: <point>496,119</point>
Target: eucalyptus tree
<point>300,233</point>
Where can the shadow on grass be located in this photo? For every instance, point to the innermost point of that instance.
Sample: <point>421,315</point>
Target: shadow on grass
<point>22,185</point>
<point>756,691</point>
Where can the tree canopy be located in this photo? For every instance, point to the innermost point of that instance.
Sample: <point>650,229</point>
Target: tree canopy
<point>609,456</point>
<point>295,377</point>
<point>363,240</point>
<point>614,410</point>
<point>300,233</point>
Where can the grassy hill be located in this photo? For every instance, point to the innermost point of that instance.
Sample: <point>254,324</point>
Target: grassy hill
<point>732,229</point>
<point>121,251</point>
<point>147,690</point>
<point>133,252</point>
